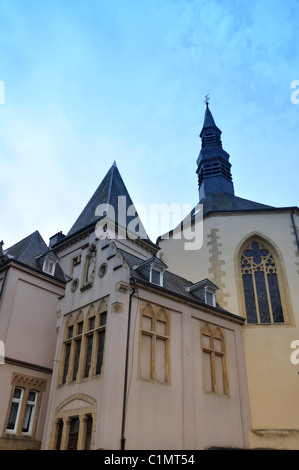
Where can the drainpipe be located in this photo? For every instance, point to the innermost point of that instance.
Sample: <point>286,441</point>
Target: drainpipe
<point>123,439</point>
<point>3,282</point>
<point>294,226</point>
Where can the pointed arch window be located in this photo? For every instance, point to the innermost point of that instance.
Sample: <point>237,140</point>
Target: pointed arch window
<point>154,344</point>
<point>214,360</point>
<point>260,285</point>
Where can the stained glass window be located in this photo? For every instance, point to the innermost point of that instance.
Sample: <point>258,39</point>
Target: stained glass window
<point>260,285</point>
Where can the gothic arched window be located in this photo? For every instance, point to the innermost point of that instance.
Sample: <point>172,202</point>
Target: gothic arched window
<point>260,284</point>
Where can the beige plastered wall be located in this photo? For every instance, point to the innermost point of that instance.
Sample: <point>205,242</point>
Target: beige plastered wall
<point>27,329</point>
<point>272,378</point>
<point>175,415</point>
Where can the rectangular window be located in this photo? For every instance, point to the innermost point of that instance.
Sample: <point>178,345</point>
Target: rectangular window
<point>20,405</point>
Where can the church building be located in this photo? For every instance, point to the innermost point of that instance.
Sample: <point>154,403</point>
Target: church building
<point>251,252</point>
<point>113,341</point>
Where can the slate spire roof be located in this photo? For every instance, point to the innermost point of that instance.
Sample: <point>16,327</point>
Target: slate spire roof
<point>110,192</point>
<point>208,120</point>
<point>213,166</point>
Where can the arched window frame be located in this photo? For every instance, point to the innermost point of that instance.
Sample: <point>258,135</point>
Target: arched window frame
<point>83,348</point>
<point>65,414</point>
<point>281,278</point>
<point>215,376</point>
<point>155,331</point>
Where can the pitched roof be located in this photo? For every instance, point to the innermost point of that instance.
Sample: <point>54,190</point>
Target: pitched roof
<point>172,283</point>
<point>108,193</point>
<point>223,202</point>
<point>31,252</point>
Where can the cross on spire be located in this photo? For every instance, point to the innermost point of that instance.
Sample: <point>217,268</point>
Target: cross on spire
<point>207,99</point>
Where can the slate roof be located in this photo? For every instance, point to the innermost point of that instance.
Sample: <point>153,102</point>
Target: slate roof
<point>172,283</point>
<point>31,252</point>
<point>208,120</point>
<point>223,202</point>
<point>107,193</point>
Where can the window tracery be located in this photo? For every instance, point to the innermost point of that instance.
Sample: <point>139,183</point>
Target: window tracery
<point>260,285</point>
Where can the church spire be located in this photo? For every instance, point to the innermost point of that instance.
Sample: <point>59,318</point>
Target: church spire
<point>213,167</point>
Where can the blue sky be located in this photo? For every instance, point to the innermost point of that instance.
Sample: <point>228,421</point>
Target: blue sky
<point>87,83</point>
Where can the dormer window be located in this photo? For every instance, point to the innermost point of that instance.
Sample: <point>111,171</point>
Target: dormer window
<point>156,276</point>
<point>152,270</point>
<point>49,263</point>
<point>49,266</point>
<point>210,297</point>
<point>205,291</point>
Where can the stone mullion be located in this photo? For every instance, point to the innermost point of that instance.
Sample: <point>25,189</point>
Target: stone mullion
<point>65,433</point>
<point>82,432</point>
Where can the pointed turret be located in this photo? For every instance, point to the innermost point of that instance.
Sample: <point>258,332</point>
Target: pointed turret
<point>111,198</point>
<point>213,167</point>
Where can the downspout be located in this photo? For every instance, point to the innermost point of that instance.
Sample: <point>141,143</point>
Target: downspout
<point>295,229</point>
<point>3,282</point>
<point>123,439</point>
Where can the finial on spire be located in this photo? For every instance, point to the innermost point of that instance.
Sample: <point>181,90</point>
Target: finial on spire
<point>207,99</point>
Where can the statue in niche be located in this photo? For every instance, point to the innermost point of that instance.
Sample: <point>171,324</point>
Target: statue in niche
<point>91,264</point>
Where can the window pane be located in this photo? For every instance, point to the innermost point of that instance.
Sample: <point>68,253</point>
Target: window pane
<point>80,327</point>
<point>88,433</point>
<point>275,298</point>
<point>100,355</point>
<point>91,323</point>
<point>77,357</point>
<point>73,435</point>
<point>59,434</point>
<point>88,355</point>
<point>206,341</point>
<point>146,351</point>
<point>155,276</point>
<point>70,331</point>
<point>17,393</point>
<point>207,365</point>
<point>160,327</point>
<point>103,318</point>
<point>146,323</point>
<point>27,417</point>
<point>210,298</point>
<point>66,361</point>
<point>12,416</point>
<point>249,298</point>
<point>217,344</point>
<point>219,374</point>
<point>262,297</point>
<point>160,360</point>
<point>32,396</point>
